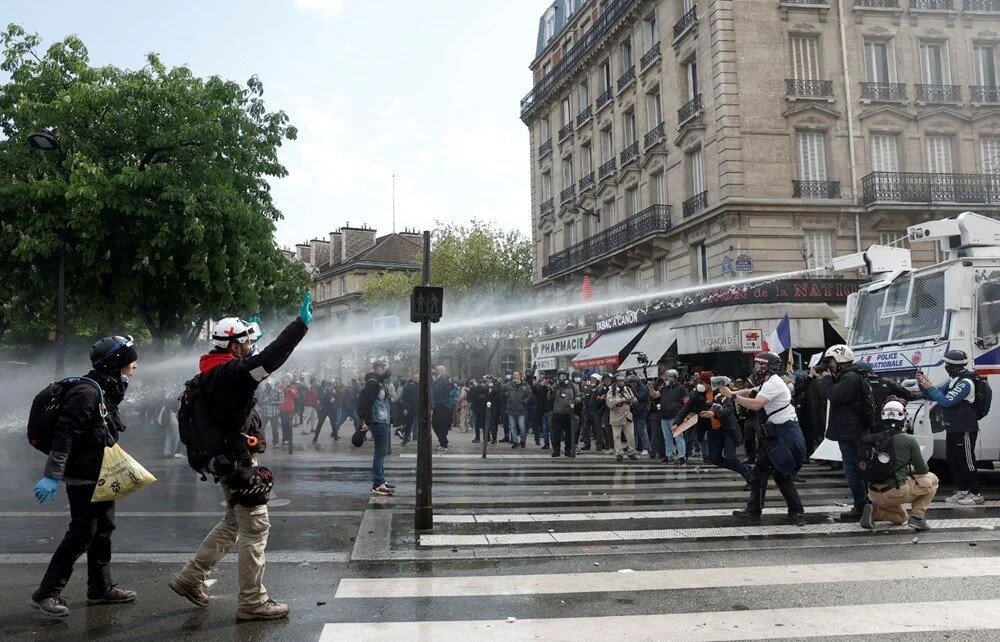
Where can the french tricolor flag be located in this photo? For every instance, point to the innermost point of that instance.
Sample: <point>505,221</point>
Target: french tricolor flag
<point>781,339</point>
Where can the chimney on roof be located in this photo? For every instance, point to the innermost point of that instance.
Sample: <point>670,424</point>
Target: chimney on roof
<point>320,252</point>
<point>336,247</point>
<point>303,252</point>
<point>356,241</point>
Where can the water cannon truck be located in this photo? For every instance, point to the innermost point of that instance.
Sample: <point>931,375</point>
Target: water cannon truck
<point>905,319</point>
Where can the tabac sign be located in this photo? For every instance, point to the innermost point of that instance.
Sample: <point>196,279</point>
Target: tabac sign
<point>563,346</point>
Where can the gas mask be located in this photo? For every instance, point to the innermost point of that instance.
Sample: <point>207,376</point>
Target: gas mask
<point>701,388</point>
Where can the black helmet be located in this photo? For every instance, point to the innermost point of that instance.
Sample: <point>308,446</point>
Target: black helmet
<point>113,353</point>
<point>358,439</point>
<point>770,361</point>
<point>563,375</point>
<point>955,361</point>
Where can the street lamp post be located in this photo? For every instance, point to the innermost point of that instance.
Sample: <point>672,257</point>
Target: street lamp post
<point>576,209</point>
<point>46,142</point>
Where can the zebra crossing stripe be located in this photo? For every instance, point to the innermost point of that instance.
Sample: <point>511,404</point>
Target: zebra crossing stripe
<point>717,626</point>
<point>509,518</point>
<point>672,579</point>
<point>683,533</point>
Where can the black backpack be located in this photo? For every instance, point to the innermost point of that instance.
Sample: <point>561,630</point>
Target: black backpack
<point>199,432</point>
<point>875,457</point>
<point>867,404</point>
<point>47,407</point>
<point>984,397</point>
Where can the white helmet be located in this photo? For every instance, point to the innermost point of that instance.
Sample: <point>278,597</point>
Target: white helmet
<point>839,353</point>
<point>233,329</point>
<point>894,411</point>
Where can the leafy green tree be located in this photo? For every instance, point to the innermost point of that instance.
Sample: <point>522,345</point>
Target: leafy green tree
<point>160,193</point>
<point>479,259</point>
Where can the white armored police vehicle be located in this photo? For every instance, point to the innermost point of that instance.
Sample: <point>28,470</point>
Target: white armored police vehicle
<point>906,319</point>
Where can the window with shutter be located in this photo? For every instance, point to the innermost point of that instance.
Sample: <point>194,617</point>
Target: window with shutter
<point>660,188</point>
<point>877,68</point>
<point>583,96</point>
<point>939,154</point>
<point>586,160</point>
<point>697,173</point>
<point>818,248</point>
<point>567,116</point>
<point>805,58</point>
<point>933,63</point>
<point>989,152</point>
<point>812,156</point>
<point>611,207</point>
<point>546,186</point>
<point>884,154</point>
<point>984,66</point>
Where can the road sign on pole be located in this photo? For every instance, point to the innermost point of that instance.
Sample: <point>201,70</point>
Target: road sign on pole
<point>425,308</point>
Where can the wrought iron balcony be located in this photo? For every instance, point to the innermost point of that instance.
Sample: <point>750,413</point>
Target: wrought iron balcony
<point>651,221</point>
<point>545,148</point>
<point>816,189</point>
<point>607,169</point>
<point>690,109</point>
<point>586,182</point>
<point>879,4</point>
<point>590,40</point>
<point>993,6</point>
<point>685,23</point>
<point>940,5</point>
<point>654,136</point>
<point>603,99</point>
<point>982,94</point>
<point>584,115</point>
<point>914,187</point>
<point>695,204</point>
<point>546,207</point>
<point>939,93</point>
<point>626,78</point>
<point>891,91</point>
<point>800,88</point>
<point>566,130</point>
<point>567,194</point>
<point>650,56</point>
<point>630,153</point>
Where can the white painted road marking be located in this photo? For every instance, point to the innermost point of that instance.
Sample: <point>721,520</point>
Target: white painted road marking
<point>719,626</point>
<point>688,578</point>
<point>685,533</point>
<point>507,518</point>
<point>273,557</point>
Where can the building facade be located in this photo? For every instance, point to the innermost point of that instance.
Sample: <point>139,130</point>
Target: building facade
<point>350,258</point>
<point>674,143</point>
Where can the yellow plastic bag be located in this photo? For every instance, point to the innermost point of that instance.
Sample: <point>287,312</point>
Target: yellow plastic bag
<point>120,476</point>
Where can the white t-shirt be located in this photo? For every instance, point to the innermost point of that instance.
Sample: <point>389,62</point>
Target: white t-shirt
<point>778,396</point>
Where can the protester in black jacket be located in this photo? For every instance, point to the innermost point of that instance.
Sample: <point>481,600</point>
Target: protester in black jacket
<point>84,428</point>
<point>722,441</point>
<point>841,384</point>
<point>230,376</point>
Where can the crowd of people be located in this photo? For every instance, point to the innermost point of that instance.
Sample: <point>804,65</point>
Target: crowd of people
<point>224,413</point>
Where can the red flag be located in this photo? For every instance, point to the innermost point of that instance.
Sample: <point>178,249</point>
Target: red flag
<point>587,291</point>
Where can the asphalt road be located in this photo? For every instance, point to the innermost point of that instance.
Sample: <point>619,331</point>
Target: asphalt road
<point>524,547</point>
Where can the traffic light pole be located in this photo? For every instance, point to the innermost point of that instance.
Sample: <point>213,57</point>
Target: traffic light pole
<point>424,513</point>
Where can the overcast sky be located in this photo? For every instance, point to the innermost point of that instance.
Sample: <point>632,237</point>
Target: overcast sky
<point>425,89</point>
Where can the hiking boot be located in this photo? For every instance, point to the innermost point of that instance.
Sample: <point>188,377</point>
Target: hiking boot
<point>918,523</point>
<point>381,491</point>
<point>53,606</point>
<point>269,610</point>
<point>587,447</point>
<point>853,515</point>
<point>633,456</point>
<point>743,513</point>
<point>619,456</point>
<point>554,454</point>
<point>513,446</point>
<point>193,594</point>
<point>476,441</point>
<point>972,499</point>
<point>797,519</point>
<point>958,495</point>
<point>113,595</point>
<point>868,517</point>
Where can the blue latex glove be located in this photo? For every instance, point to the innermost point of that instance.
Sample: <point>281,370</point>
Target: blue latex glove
<point>46,489</point>
<point>307,310</point>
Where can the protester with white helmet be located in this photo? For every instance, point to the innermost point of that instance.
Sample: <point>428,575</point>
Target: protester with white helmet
<point>911,482</point>
<point>846,391</point>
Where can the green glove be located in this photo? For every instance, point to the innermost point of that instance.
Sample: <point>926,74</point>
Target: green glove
<point>255,321</point>
<point>307,310</point>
